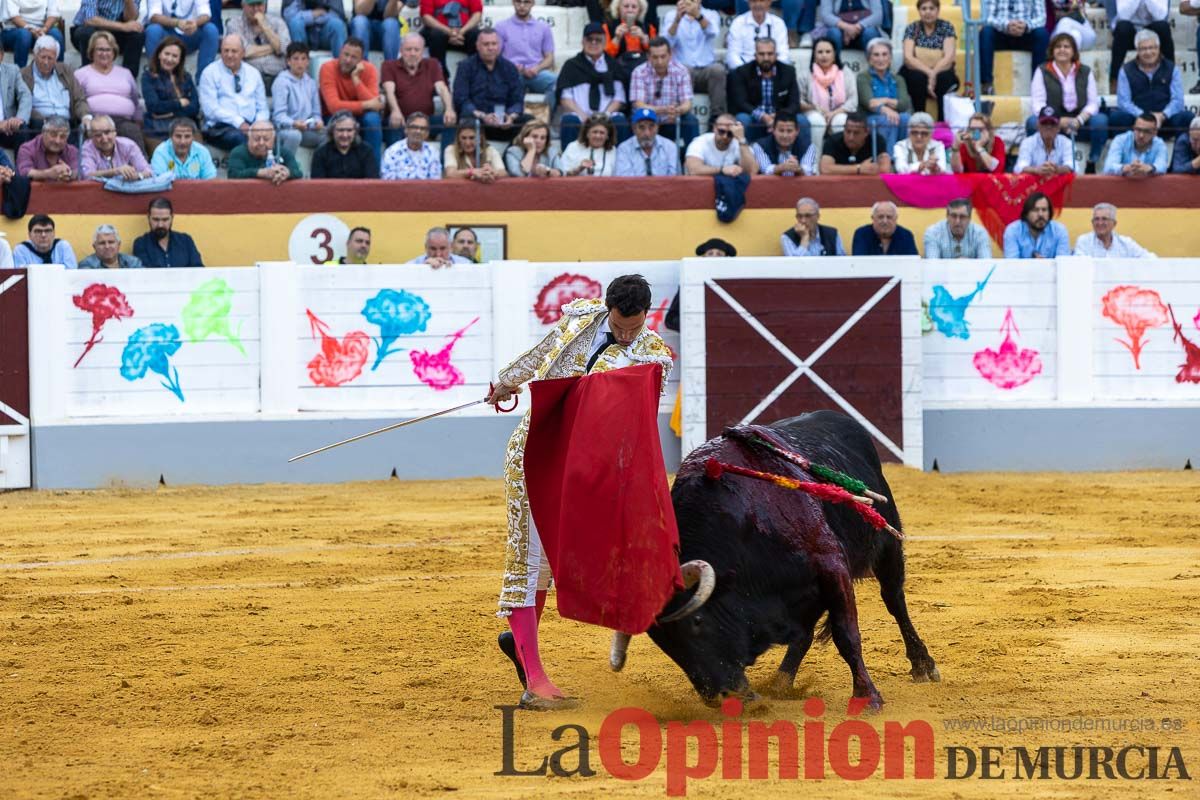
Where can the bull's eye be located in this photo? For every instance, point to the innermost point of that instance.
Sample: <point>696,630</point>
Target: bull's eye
<point>697,622</point>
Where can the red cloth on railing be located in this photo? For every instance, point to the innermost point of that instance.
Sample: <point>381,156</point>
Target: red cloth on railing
<point>996,198</point>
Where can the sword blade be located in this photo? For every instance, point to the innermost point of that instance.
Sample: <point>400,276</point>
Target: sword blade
<point>392,427</point>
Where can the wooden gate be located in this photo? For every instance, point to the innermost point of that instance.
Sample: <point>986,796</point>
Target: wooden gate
<point>14,380</point>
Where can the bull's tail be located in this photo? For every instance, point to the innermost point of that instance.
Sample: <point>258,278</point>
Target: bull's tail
<point>824,629</point>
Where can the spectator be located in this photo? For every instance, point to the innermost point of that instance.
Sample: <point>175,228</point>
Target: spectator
<point>451,24</point>
<point>168,89</point>
<point>16,104</point>
<point>647,154</point>
<point>161,246</point>
<point>920,153</point>
<point>465,245</point>
<point>1104,242</point>
<point>188,20</point>
<point>1035,234</point>
<point>414,158</point>
<point>345,155</point>
<point>808,237</point>
<point>27,21</point>
<point>358,246</point>
<point>106,251</point>
<point>627,33</point>
<point>257,158</point>
<point>589,84</point>
<point>1133,17</point>
<point>351,84</point>
<point>594,152</point>
<point>320,24</point>
<point>377,24</point>
<point>106,155</point>
<point>53,87</point>
<point>852,153</point>
<point>849,23</point>
<point>110,89</point>
<point>929,50</point>
<point>232,96</point>
<point>265,39</point>
<point>827,92</point>
<point>296,103</point>
<point>1049,153</point>
<point>1070,89</point>
<point>781,153</point>
<point>1150,83</point>
<point>748,28</point>
<point>410,84</point>
<point>41,247</point>
<point>763,91</point>
<point>182,154</point>
<point>724,151</point>
<point>1069,16</point>
<point>692,31</point>
<point>1011,25</point>
<point>979,148</point>
<point>1187,150</point>
<point>120,19</point>
<point>956,236</point>
<point>1191,8</point>
<point>883,237</point>
<point>488,88</point>
<point>532,154</point>
<point>884,99</point>
<point>470,158</point>
<point>664,85</point>
<point>437,250</point>
<point>48,156</point>
<point>529,44</point>
<point>1138,153</point>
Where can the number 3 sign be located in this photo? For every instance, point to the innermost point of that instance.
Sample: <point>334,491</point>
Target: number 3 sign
<point>318,238</point>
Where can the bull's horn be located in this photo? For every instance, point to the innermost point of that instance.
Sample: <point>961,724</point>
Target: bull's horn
<point>616,656</point>
<point>694,572</point>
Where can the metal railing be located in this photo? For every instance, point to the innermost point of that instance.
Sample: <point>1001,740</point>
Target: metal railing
<point>971,27</point>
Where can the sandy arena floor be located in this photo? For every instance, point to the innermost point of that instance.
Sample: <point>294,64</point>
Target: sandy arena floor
<point>339,641</point>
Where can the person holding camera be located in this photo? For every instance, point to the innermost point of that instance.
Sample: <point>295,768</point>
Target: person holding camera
<point>451,25</point>
<point>979,149</point>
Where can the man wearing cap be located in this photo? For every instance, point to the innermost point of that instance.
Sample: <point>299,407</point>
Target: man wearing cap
<point>264,36</point>
<point>1047,154</point>
<point>1137,153</point>
<point>647,154</point>
<point>713,248</point>
<point>590,83</point>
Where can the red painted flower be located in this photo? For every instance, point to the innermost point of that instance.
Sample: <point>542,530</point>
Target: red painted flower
<point>1136,310</point>
<point>337,362</point>
<point>103,302</point>
<point>562,290</point>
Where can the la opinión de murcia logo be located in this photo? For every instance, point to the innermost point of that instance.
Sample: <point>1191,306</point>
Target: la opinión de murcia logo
<point>734,749</point>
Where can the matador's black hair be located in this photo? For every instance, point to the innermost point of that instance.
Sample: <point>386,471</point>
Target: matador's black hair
<point>628,294</point>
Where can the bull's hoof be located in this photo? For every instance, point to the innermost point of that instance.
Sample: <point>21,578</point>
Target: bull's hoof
<point>532,702</point>
<point>508,646</point>
<point>926,674</point>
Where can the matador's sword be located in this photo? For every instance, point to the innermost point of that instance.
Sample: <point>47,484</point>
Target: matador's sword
<point>413,421</point>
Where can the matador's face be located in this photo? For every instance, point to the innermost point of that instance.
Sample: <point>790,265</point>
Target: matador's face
<point>624,328</point>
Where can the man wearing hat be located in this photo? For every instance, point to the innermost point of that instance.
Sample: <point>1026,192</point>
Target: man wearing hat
<point>713,248</point>
<point>265,37</point>
<point>647,154</point>
<point>590,83</point>
<point>1049,153</point>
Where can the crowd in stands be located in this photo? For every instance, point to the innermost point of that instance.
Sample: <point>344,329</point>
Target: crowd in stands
<point>624,105</point>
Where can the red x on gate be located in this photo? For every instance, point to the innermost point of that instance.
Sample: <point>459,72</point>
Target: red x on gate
<point>831,343</point>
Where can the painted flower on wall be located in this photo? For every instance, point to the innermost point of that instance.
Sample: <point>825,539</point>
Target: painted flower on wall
<point>1136,310</point>
<point>949,313</point>
<point>435,369</point>
<point>337,362</point>
<point>103,302</point>
<point>397,313</point>
<point>207,313</point>
<point>561,290</point>
<point>148,350</point>
<point>1189,370</point>
<point>1010,366</point>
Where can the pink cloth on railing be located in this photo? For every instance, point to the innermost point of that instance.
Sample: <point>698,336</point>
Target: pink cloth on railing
<point>928,191</point>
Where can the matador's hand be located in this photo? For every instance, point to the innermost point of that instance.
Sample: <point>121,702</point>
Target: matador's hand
<point>501,392</point>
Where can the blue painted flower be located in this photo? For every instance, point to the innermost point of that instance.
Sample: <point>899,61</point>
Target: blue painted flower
<point>148,350</point>
<point>397,313</point>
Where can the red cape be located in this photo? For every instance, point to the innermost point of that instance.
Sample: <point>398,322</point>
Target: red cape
<point>598,493</point>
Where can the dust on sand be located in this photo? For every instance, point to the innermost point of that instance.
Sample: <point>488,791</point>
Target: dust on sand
<point>339,641</point>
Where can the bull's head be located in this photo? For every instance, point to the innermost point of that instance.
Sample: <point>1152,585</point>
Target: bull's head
<point>692,639</point>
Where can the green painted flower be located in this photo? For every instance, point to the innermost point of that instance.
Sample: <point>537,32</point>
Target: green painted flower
<point>207,313</point>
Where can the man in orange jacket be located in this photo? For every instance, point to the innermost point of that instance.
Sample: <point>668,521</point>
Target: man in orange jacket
<point>352,84</point>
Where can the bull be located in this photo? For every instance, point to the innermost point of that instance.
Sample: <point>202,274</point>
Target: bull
<point>763,564</point>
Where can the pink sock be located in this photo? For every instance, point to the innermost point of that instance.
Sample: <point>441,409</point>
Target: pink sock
<point>541,604</point>
<point>523,622</point>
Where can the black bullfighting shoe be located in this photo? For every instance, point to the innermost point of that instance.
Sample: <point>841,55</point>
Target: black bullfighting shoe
<point>508,646</point>
<point>535,702</point>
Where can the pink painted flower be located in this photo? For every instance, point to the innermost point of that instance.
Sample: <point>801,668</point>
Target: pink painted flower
<point>562,290</point>
<point>1010,366</point>
<point>434,369</point>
